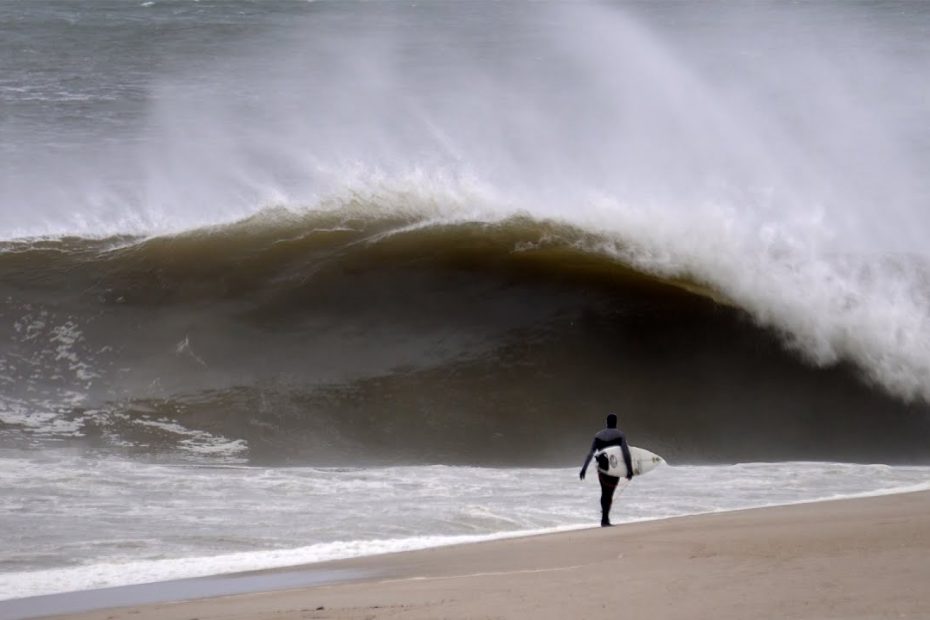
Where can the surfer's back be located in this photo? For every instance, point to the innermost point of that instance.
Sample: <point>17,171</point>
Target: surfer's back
<point>608,437</point>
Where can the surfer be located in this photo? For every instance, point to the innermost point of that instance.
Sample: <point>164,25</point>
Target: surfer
<point>610,436</point>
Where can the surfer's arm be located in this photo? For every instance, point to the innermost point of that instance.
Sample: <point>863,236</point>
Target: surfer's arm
<point>587,459</point>
<point>627,458</point>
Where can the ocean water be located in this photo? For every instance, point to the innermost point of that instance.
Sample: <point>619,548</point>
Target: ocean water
<point>284,281</point>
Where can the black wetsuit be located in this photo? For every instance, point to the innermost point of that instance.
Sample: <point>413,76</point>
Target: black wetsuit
<point>604,438</point>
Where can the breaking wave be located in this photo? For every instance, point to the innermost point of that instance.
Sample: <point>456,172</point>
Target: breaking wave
<point>396,335</point>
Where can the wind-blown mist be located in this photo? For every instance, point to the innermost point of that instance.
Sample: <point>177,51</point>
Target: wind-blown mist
<point>810,120</point>
<point>777,154</point>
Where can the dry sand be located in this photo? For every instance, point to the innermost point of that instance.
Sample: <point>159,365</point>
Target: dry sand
<point>863,558</point>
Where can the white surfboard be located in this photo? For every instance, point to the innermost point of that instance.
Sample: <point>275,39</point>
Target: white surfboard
<point>643,461</point>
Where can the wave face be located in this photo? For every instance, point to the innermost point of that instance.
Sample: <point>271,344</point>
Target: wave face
<point>337,339</point>
<point>318,231</point>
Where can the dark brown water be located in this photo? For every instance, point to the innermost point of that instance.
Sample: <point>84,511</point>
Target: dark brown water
<point>326,339</point>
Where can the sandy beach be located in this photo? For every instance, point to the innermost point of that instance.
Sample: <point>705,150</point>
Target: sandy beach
<point>861,558</point>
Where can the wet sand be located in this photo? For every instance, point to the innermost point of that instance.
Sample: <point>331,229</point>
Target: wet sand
<point>862,558</point>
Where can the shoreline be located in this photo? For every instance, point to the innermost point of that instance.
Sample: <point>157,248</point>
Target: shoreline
<point>549,559</point>
<point>305,573</point>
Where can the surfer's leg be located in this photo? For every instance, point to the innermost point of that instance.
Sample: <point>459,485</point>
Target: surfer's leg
<point>608,486</point>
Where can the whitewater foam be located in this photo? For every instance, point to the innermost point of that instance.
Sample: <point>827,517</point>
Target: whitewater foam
<point>80,523</point>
